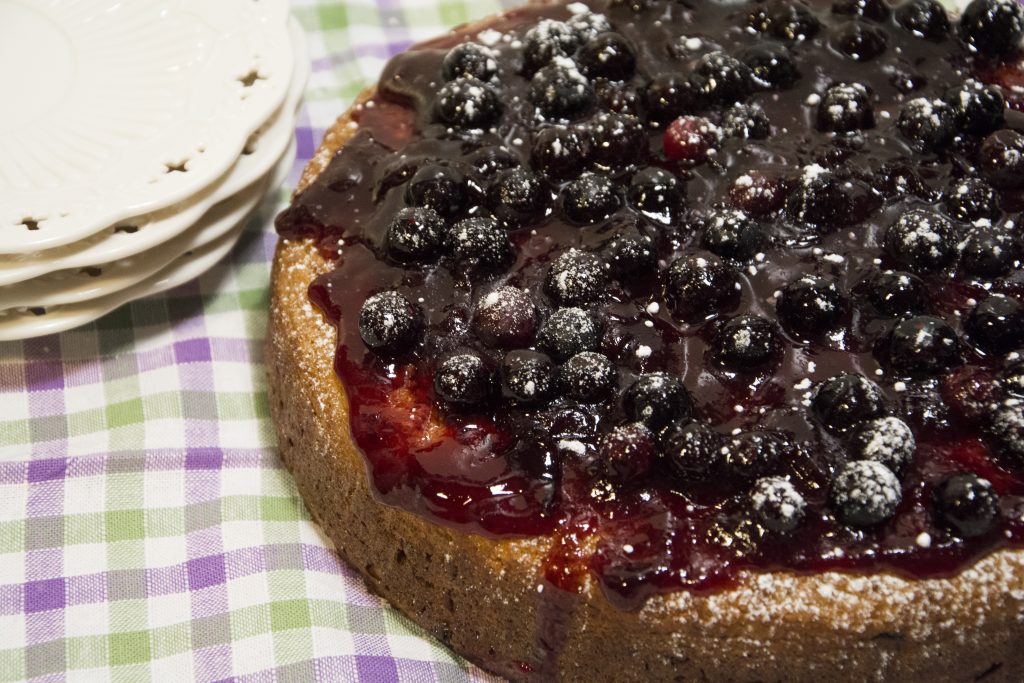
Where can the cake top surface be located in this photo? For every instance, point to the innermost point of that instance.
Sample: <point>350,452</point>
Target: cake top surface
<point>696,287</point>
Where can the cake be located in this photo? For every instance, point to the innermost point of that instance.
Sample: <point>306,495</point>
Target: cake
<point>647,340</point>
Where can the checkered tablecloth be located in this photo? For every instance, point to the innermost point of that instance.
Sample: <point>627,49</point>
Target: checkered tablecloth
<point>148,530</point>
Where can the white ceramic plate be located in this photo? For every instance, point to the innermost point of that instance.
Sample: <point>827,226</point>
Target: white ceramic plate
<point>137,234</point>
<point>114,109</point>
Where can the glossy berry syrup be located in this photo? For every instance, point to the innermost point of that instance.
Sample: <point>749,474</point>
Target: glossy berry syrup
<point>693,287</point>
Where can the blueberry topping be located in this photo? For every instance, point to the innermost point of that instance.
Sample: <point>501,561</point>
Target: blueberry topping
<point>588,377</point>
<point>657,399</point>
<point>772,66</point>
<point>819,200</point>
<point>845,401</point>
<point>691,138</point>
<point>699,286</point>
<point>969,199</point>
<point>569,331</point>
<point>924,18</point>
<point>440,188</point>
<point>865,493</point>
<point>560,91</point>
<point>777,505</point>
<point>415,234</point>
<point>657,194</point>
<point>747,122</point>
<point>860,42</point>
<point>545,41</point>
<point>480,245</point>
<point>811,306</point>
<point>1011,377</point>
<point>992,27</point>
<point>967,504</point>
<point>723,79</point>
<point>576,278</point>
<point>626,453</point>
<point>845,107</point>
<point>887,440</point>
<point>922,346</point>
<point>669,96</point>
<point>608,55</point>
<point>749,455</point>
<point>930,124</point>
<point>470,59</point>
<point>505,318</point>
<point>558,152</point>
<point>732,234</point>
<point>467,103</point>
<point>588,26</point>
<point>463,380</point>
<point>921,241</point>
<point>996,325</point>
<point>978,107</point>
<point>693,450</point>
<point>590,198</point>
<point>1001,159</point>
<point>617,141</point>
<point>989,252</point>
<point>527,376</point>
<point>389,323</point>
<point>896,293</point>
<point>518,197</point>
<point>746,342</point>
<point>1007,430</point>
<point>630,256</point>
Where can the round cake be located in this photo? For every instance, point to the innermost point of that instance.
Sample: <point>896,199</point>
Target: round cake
<point>650,340</point>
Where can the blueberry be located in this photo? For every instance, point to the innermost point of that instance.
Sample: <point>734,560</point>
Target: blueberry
<point>747,122</point>
<point>518,197</point>
<point>619,97</point>
<point>896,293</point>
<point>669,96</point>
<point>560,91</point>
<point>921,241</point>
<point>692,139</point>
<point>487,161</point>
<point>616,141</point>
<point>470,59</point>
<point>1001,159</point>
<point>793,22</point>
<point>440,188</point>
<point>588,377</point>
<point>480,245</point>
<point>732,234</point>
<point>558,152</point>
<point>1011,377</point>
<point>746,342</point>
<point>875,10</point>
<point>865,493</point>
<point>992,27</point>
<point>989,252</point>
<point>588,26</point>
<point>527,376</point>
<point>777,505</point>
<point>757,194</point>
<point>389,323</point>
<point>929,124</point>
<point>810,306</point>
<point>415,234</point>
<point>590,198</point>
<point>819,200</point>
<point>845,401</point>
<point>996,325</point>
<point>657,399</point>
<point>657,194</point>
<point>898,180</point>
<point>749,455</point>
<point>887,440</point>
<point>922,346</point>
<point>630,256</point>
<point>860,42</point>
<point>978,107</point>
<point>576,278</point>
<point>506,317</point>
<point>608,55</point>
<point>699,286</point>
<point>463,379</point>
<point>772,66</point>
<point>967,504</point>
<point>972,392</point>
<point>467,103</point>
<point>924,18</point>
<point>723,79</point>
<point>845,107</point>
<point>626,454</point>
<point>545,41</point>
<point>693,450</point>
<point>969,199</point>
<point>569,331</point>
<point>1007,430</point>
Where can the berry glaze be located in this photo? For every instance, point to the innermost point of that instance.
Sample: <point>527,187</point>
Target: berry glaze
<point>682,488</point>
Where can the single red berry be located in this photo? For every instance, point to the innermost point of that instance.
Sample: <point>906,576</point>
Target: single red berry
<point>691,138</point>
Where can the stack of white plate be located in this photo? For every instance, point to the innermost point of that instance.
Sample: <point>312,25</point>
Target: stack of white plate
<point>135,140</point>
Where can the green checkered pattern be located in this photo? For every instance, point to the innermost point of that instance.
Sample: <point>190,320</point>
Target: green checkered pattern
<point>148,530</point>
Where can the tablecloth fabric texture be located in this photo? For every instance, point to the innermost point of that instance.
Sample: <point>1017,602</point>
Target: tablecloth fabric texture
<point>148,529</point>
